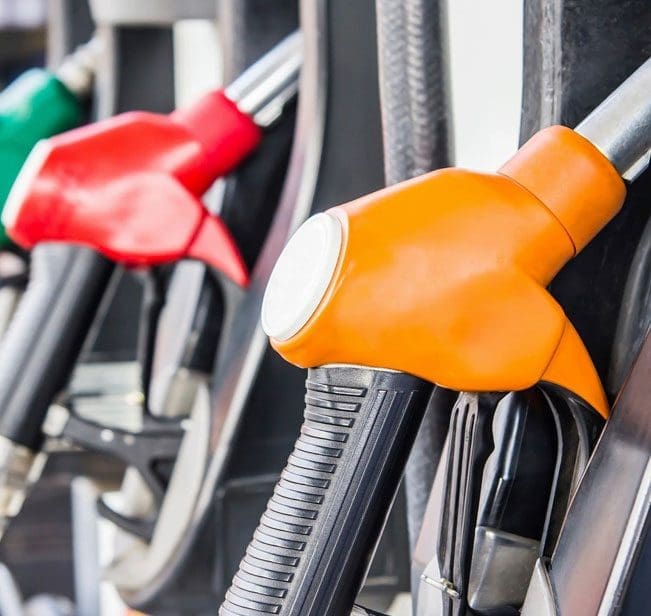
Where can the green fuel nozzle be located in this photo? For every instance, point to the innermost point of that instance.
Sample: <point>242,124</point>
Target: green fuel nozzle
<point>37,105</point>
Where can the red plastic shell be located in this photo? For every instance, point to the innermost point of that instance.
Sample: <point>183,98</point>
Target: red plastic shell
<point>129,186</point>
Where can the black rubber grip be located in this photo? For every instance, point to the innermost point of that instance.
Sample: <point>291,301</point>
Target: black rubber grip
<point>310,553</point>
<point>43,341</point>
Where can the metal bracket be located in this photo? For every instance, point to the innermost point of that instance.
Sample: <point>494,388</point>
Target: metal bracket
<point>148,450</point>
<point>158,441</point>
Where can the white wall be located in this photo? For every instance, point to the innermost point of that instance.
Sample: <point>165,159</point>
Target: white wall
<point>197,59</point>
<point>486,79</point>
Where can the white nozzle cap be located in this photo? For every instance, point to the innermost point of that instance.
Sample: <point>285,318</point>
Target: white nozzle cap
<point>301,276</point>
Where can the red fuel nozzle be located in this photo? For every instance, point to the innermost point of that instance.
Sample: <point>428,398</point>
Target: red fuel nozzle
<point>129,186</point>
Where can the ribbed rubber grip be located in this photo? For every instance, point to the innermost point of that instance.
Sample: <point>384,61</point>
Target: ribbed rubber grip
<point>41,346</point>
<point>311,550</point>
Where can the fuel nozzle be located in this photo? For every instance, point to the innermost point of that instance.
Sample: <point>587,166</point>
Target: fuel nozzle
<point>39,104</point>
<point>438,281</point>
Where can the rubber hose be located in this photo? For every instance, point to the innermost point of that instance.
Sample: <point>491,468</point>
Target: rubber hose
<point>394,96</point>
<point>428,100</point>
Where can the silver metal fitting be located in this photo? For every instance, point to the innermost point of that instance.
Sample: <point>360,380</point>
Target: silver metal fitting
<point>263,90</point>
<point>77,71</point>
<point>19,470</point>
<point>620,127</point>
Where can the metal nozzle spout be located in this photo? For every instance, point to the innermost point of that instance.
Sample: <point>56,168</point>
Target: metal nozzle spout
<point>620,127</point>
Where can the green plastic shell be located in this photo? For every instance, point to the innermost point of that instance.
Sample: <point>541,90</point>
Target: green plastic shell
<point>34,107</point>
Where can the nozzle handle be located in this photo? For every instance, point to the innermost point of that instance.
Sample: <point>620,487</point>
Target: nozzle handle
<point>41,346</point>
<point>310,553</point>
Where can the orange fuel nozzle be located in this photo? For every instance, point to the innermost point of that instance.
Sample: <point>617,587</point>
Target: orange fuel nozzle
<point>444,276</point>
<point>440,280</point>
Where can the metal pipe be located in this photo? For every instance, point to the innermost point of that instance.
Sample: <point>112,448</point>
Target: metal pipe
<point>264,88</point>
<point>77,71</point>
<point>620,127</point>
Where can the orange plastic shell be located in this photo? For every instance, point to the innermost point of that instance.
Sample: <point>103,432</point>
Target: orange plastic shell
<point>572,178</point>
<point>444,277</point>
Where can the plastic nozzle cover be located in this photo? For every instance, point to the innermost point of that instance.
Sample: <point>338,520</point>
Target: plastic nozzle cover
<point>34,107</point>
<point>301,276</point>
